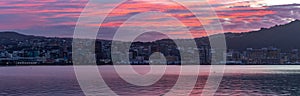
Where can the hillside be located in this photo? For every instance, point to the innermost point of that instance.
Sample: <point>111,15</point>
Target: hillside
<point>285,37</point>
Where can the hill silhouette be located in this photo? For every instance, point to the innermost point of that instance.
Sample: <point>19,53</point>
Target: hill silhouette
<point>16,36</point>
<point>285,37</point>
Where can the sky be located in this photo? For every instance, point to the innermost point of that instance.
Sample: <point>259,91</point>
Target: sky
<point>57,18</point>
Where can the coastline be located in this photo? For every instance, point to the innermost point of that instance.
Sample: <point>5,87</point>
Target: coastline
<point>12,65</point>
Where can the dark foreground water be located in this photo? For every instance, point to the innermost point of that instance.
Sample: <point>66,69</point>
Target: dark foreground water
<point>237,81</point>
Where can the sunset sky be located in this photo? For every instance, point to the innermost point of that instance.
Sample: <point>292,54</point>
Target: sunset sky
<point>58,17</point>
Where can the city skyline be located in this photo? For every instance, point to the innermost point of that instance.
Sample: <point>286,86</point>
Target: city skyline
<point>19,49</point>
<point>150,47</point>
<point>54,18</point>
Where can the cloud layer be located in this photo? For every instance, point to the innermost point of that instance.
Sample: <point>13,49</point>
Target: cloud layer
<point>58,17</point>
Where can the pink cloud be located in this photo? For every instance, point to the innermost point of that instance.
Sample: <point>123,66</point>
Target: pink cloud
<point>235,15</point>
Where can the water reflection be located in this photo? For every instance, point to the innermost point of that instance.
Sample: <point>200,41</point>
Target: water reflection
<point>238,81</point>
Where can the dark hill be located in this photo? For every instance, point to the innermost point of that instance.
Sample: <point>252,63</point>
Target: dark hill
<point>16,36</point>
<point>12,38</point>
<point>285,37</point>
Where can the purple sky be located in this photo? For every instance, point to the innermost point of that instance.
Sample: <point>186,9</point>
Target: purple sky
<point>58,17</point>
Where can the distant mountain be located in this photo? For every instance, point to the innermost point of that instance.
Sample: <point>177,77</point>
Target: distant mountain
<point>16,36</point>
<point>285,37</point>
<point>12,38</point>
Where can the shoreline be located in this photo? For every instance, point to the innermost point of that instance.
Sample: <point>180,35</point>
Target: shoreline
<point>4,65</point>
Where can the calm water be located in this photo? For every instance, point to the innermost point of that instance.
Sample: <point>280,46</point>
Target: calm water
<point>237,81</point>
